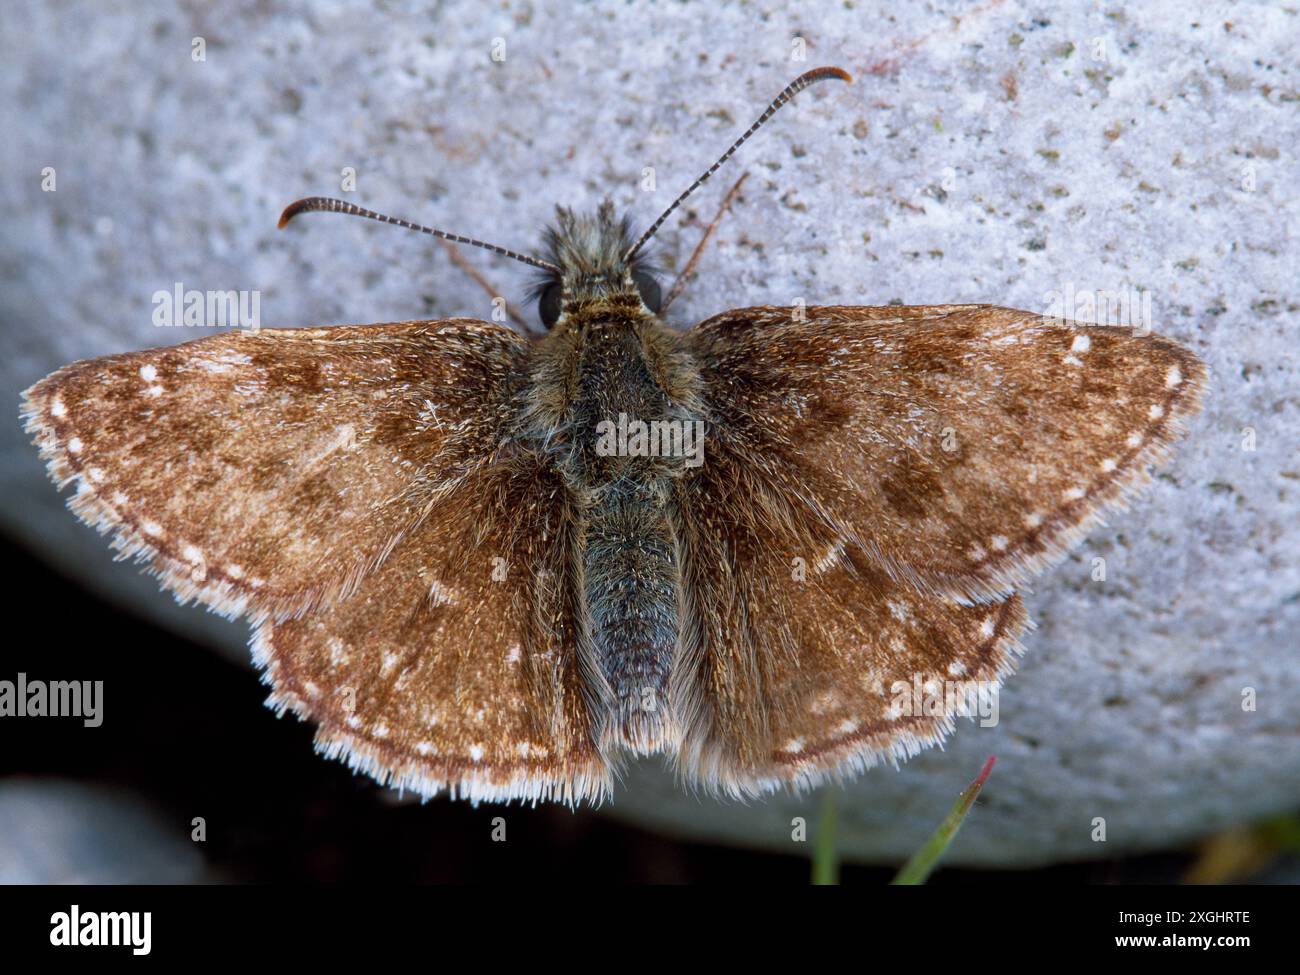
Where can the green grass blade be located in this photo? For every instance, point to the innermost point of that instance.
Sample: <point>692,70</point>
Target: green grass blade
<point>917,869</point>
<point>826,865</point>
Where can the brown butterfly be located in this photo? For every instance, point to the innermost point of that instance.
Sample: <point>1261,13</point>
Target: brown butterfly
<point>498,565</point>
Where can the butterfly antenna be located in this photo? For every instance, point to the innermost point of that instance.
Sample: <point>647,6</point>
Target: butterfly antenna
<point>328,205</point>
<point>790,90</point>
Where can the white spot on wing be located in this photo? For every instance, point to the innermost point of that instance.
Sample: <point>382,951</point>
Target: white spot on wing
<point>198,565</point>
<point>338,654</point>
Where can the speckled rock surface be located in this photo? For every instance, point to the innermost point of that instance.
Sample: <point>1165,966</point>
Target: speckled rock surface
<point>993,152</point>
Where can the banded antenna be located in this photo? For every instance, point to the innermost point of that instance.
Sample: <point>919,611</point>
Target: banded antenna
<point>790,90</point>
<point>328,205</point>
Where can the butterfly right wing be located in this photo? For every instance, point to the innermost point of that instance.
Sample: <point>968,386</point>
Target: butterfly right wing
<point>837,544</point>
<point>453,666</point>
<point>269,472</point>
<point>356,491</point>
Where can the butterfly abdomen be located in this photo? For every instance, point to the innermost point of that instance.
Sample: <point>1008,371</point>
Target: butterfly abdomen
<point>630,574</point>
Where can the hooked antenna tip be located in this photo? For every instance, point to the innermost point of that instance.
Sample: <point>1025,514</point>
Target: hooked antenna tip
<point>291,211</point>
<point>817,74</point>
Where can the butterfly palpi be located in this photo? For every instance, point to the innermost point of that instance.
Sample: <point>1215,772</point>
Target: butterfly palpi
<point>500,565</point>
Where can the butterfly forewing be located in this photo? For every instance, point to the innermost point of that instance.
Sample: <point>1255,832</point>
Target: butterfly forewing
<point>963,447</point>
<point>270,471</point>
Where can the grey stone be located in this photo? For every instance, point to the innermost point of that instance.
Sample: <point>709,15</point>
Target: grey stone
<point>995,153</point>
<point>59,832</point>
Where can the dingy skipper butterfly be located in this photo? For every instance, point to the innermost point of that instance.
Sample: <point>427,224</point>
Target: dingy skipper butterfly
<point>498,565</point>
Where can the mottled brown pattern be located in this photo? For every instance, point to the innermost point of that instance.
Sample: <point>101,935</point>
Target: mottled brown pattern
<point>286,462</point>
<point>438,674</point>
<point>403,511</point>
<point>1035,432</point>
<point>465,594</point>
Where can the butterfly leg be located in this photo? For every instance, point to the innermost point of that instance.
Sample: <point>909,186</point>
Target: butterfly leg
<point>491,290</point>
<point>680,284</point>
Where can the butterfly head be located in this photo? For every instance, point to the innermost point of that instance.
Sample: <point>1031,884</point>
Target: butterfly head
<point>591,267</point>
<point>594,263</point>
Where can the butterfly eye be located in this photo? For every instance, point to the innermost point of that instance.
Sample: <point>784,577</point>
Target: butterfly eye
<point>548,306</point>
<point>648,288</point>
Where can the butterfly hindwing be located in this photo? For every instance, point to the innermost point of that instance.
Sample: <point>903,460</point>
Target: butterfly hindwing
<point>802,658</point>
<point>453,665</point>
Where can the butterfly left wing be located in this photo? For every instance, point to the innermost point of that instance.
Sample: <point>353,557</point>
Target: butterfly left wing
<point>356,491</point>
<point>964,447</point>
<point>801,659</point>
